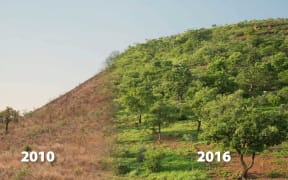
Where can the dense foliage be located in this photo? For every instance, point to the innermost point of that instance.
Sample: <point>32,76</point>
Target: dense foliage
<point>233,78</point>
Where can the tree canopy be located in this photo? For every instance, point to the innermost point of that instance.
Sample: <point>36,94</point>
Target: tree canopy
<point>233,77</point>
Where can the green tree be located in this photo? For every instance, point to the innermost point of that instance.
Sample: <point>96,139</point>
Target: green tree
<point>111,58</point>
<point>159,77</point>
<point>136,94</point>
<point>217,76</point>
<point>179,80</point>
<point>198,102</point>
<point>8,115</point>
<point>162,113</point>
<point>255,80</point>
<point>236,122</point>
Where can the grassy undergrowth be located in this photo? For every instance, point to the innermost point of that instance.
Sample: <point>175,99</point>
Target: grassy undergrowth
<point>140,154</point>
<point>233,78</point>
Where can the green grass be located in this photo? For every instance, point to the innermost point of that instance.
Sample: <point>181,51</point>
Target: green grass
<point>282,152</point>
<point>182,175</point>
<point>274,174</point>
<point>178,129</point>
<point>178,145</point>
<point>177,163</point>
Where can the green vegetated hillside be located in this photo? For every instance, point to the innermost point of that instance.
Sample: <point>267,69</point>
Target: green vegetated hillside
<point>223,86</point>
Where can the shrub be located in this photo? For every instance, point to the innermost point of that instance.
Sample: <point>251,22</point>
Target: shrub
<point>21,174</point>
<point>105,164</point>
<point>273,99</point>
<point>153,160</point>
<point>274,174</point>
<point>78,171</point>
<point>187,137</point>
<point>125,153</point>
<point>140,155</point>
<point>121,168</point>
<point>27,148</point>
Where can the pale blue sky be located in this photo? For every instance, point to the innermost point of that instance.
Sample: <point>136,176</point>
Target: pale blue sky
<point>49,47</point>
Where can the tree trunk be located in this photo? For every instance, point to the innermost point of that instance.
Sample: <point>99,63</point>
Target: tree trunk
<point>140,118</point>
<point>6,127</point>
<point>159,132</point>
<point>198,126</point>
<point>154,131</point>
<point>251,87</point>
<point>180,98</point>
<point>246,168</point>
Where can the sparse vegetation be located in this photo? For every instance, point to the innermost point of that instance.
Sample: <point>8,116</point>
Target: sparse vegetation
<point>274,174</point>
<point>27,148</point>
<point>61,134</point>
<point>78,171</point>
<point>121,168</point>
<point>20,174</point>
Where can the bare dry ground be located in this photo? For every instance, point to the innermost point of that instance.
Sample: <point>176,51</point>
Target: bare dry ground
<point>75,126</point>
<point>264,164</point>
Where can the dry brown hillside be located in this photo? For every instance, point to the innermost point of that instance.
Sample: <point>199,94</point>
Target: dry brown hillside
<point>75,126</point>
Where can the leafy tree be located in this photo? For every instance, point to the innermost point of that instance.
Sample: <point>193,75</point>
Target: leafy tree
<point>180,78</point>
<point>280,61</point>
<point>283,77</point>
<point>159,75</point>
<point>283,94</point>
<point>8,115</point>
<point>198,102</point>
<point>257,79</point>
<point>238,123</point>
<point>136,94</point>
<point>162,113</point>
<point>111,58</point>
<point>221,81</point>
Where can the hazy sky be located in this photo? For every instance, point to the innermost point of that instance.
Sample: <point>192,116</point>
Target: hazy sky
<point>49,47</point>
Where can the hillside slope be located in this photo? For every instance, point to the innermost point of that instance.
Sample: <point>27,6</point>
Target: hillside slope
<point>168,83</point>
<point>225,85</point>
<point>73,126</point>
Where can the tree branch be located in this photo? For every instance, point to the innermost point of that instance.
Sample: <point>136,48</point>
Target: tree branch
<point>252,162</point>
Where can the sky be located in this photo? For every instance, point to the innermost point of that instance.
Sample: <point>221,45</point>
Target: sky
<point>49,47</point>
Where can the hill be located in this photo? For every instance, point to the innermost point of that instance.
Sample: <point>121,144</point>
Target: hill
<point>225,86</point>
<point>212,89</point>
<point>73,126</point>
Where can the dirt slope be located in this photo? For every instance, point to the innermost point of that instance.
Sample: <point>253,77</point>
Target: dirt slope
<point>74,126</point>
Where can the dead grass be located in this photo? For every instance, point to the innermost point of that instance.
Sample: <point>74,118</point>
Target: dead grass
<point>67,126</point>
<point>264,164</point>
